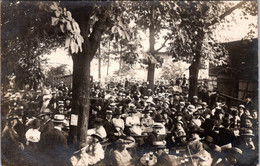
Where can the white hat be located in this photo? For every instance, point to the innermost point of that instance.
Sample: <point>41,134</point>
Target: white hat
<point>242,106</point>
<point>33,135</point>
<point>58,118</point>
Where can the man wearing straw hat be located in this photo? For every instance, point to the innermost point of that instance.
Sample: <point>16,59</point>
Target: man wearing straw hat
<point>53,144</point>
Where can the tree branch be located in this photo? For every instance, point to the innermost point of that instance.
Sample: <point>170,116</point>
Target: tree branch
<point>156,51</point>
<point>228,12</point>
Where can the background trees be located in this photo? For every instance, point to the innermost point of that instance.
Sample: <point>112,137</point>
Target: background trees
<point>53,73</point>
<point>26,36</point>
<point>192,37</point>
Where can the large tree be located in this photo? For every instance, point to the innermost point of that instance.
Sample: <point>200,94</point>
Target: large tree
<point>42,26</point>
<point>153,16</point>
<point>83,24</point>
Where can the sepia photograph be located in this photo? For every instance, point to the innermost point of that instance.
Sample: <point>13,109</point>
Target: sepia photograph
<point>129,83</point>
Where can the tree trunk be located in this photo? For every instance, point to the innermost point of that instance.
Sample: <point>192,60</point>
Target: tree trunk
<point>99,63</point>
<point>108,59</point>
<point>150,77</point>
<point>194,73</point>
<point>80,95</point>
<point>151,65</point>
<point>120,60</point>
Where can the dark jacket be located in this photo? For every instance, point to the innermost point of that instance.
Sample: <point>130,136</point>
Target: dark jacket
<point>46,127</point>
<point>54,148</point>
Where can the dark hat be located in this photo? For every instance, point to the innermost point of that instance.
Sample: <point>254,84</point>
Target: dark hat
<point>158,146</point>
<point>117,112</point>
<point>97,135</point>
<point>157,126</point>
<point>46,111</point>
<point>234,112</point>
<point>146,111</point>
<point>197,113</point>
<point>126,140</point>
<point>179,113</point>
<point>109,112</point>
<point>158,118</point>
<point>247,132</point>
<point>226,122</point>
<point>98,120</point>
<point>180,122</point>
<point>195,129</point>
<point>208,139</point>
<point>132,110</point>
<point>233,150</point>
<point>165,112</point>
<point>219,110</point>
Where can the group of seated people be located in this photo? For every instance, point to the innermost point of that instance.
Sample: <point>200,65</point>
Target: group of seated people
<point>128,125</point>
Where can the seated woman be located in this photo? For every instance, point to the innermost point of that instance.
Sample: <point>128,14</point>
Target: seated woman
<point>196,151</point>
<point>118,123</point>
<point>94,150</point>
<point>121,156</point>
<point>179,134</point>
<point>98,128</point>
<point>132,123</point>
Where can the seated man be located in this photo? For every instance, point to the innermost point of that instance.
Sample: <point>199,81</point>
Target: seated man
<point>232,156</point>
<point>155,138</point>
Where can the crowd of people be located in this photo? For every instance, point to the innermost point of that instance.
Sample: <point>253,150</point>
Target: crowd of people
<point>129,124</point>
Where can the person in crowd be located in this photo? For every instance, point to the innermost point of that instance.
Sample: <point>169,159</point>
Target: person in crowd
<point>232,156</point>
<point>118,123</point>
<point>47,123</point>
<point>235,120</point>
<point>12,143</point>
<point>218,118</point>
<point>54,143</point>
<point>132,122</point>
<point>246,144</point>
<point>98,128</point>
<point>156,137</point>
<point>33,136</point>
<point>215,151</point>
<point>147,120</point>
<point>226,134</point>
<point>198,155</point>
<point>109,126</point>
<point>246,122</point>
<point>241,109</point>
<point>95,150</point>
<point>121,156</point>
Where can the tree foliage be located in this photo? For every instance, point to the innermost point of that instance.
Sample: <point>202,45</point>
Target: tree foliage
<point>55,72</point>
<point>193,28</point>
<point>26,36</point>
